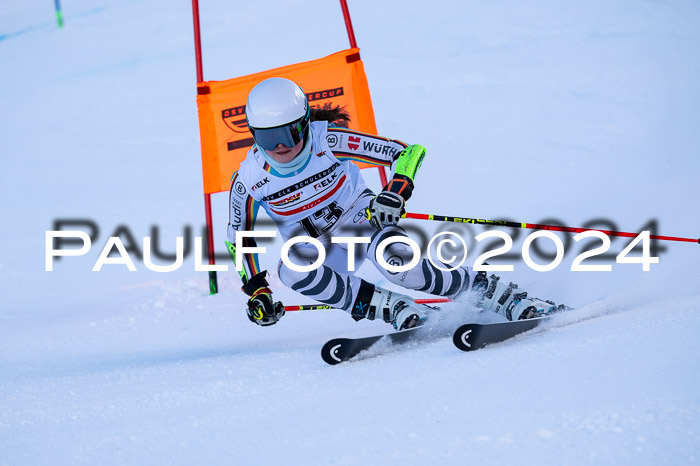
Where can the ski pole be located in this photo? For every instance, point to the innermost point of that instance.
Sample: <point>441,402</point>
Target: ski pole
<point>307,307</point>
<point>315,307</point>
<point>536,226</point>
<point>59,13</point>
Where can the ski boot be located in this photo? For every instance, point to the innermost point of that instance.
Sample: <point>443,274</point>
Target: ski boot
<point>399,310</point>
<point>492,295</point>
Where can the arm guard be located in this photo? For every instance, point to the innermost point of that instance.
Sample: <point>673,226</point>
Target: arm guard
<point>408,162</point>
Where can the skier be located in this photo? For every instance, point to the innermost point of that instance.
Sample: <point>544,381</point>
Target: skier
<point>300,171</point>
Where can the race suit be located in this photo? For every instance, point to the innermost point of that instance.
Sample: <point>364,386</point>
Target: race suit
<point>327,197</point>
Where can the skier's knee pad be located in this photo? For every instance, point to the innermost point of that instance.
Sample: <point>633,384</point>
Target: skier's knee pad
<point>426,276</point>
<point>396,253</point>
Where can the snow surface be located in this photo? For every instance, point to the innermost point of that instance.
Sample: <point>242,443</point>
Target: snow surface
<point>530,110</point>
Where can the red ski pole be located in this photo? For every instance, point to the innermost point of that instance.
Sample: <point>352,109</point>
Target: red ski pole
<point>315,307</point>
<point>536,226</point>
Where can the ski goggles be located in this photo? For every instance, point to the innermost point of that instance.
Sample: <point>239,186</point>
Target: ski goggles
<point>289,134</point>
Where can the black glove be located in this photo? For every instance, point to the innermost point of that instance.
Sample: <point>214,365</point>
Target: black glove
<point>385,209</point>
<point>261,309</point>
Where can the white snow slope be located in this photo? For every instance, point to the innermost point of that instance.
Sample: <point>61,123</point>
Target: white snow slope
<point>571,111</point>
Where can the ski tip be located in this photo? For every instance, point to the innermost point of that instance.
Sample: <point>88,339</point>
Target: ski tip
<point>463,337</point>
<point>330,352</point>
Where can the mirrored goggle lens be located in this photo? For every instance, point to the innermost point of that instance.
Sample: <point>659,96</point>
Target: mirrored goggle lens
<point>289,135</point>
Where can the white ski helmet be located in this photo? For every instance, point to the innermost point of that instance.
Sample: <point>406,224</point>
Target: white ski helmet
<point>277,112</point>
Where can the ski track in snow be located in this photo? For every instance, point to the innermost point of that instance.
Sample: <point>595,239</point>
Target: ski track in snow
<point>571,112</point>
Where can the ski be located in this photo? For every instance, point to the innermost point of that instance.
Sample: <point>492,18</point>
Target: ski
<point>470,337</point>
<point>467,337</point>
<point>338,350</point>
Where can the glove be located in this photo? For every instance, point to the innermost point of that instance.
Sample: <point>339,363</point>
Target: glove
<point>261,309</point>
<point>385,209</point>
